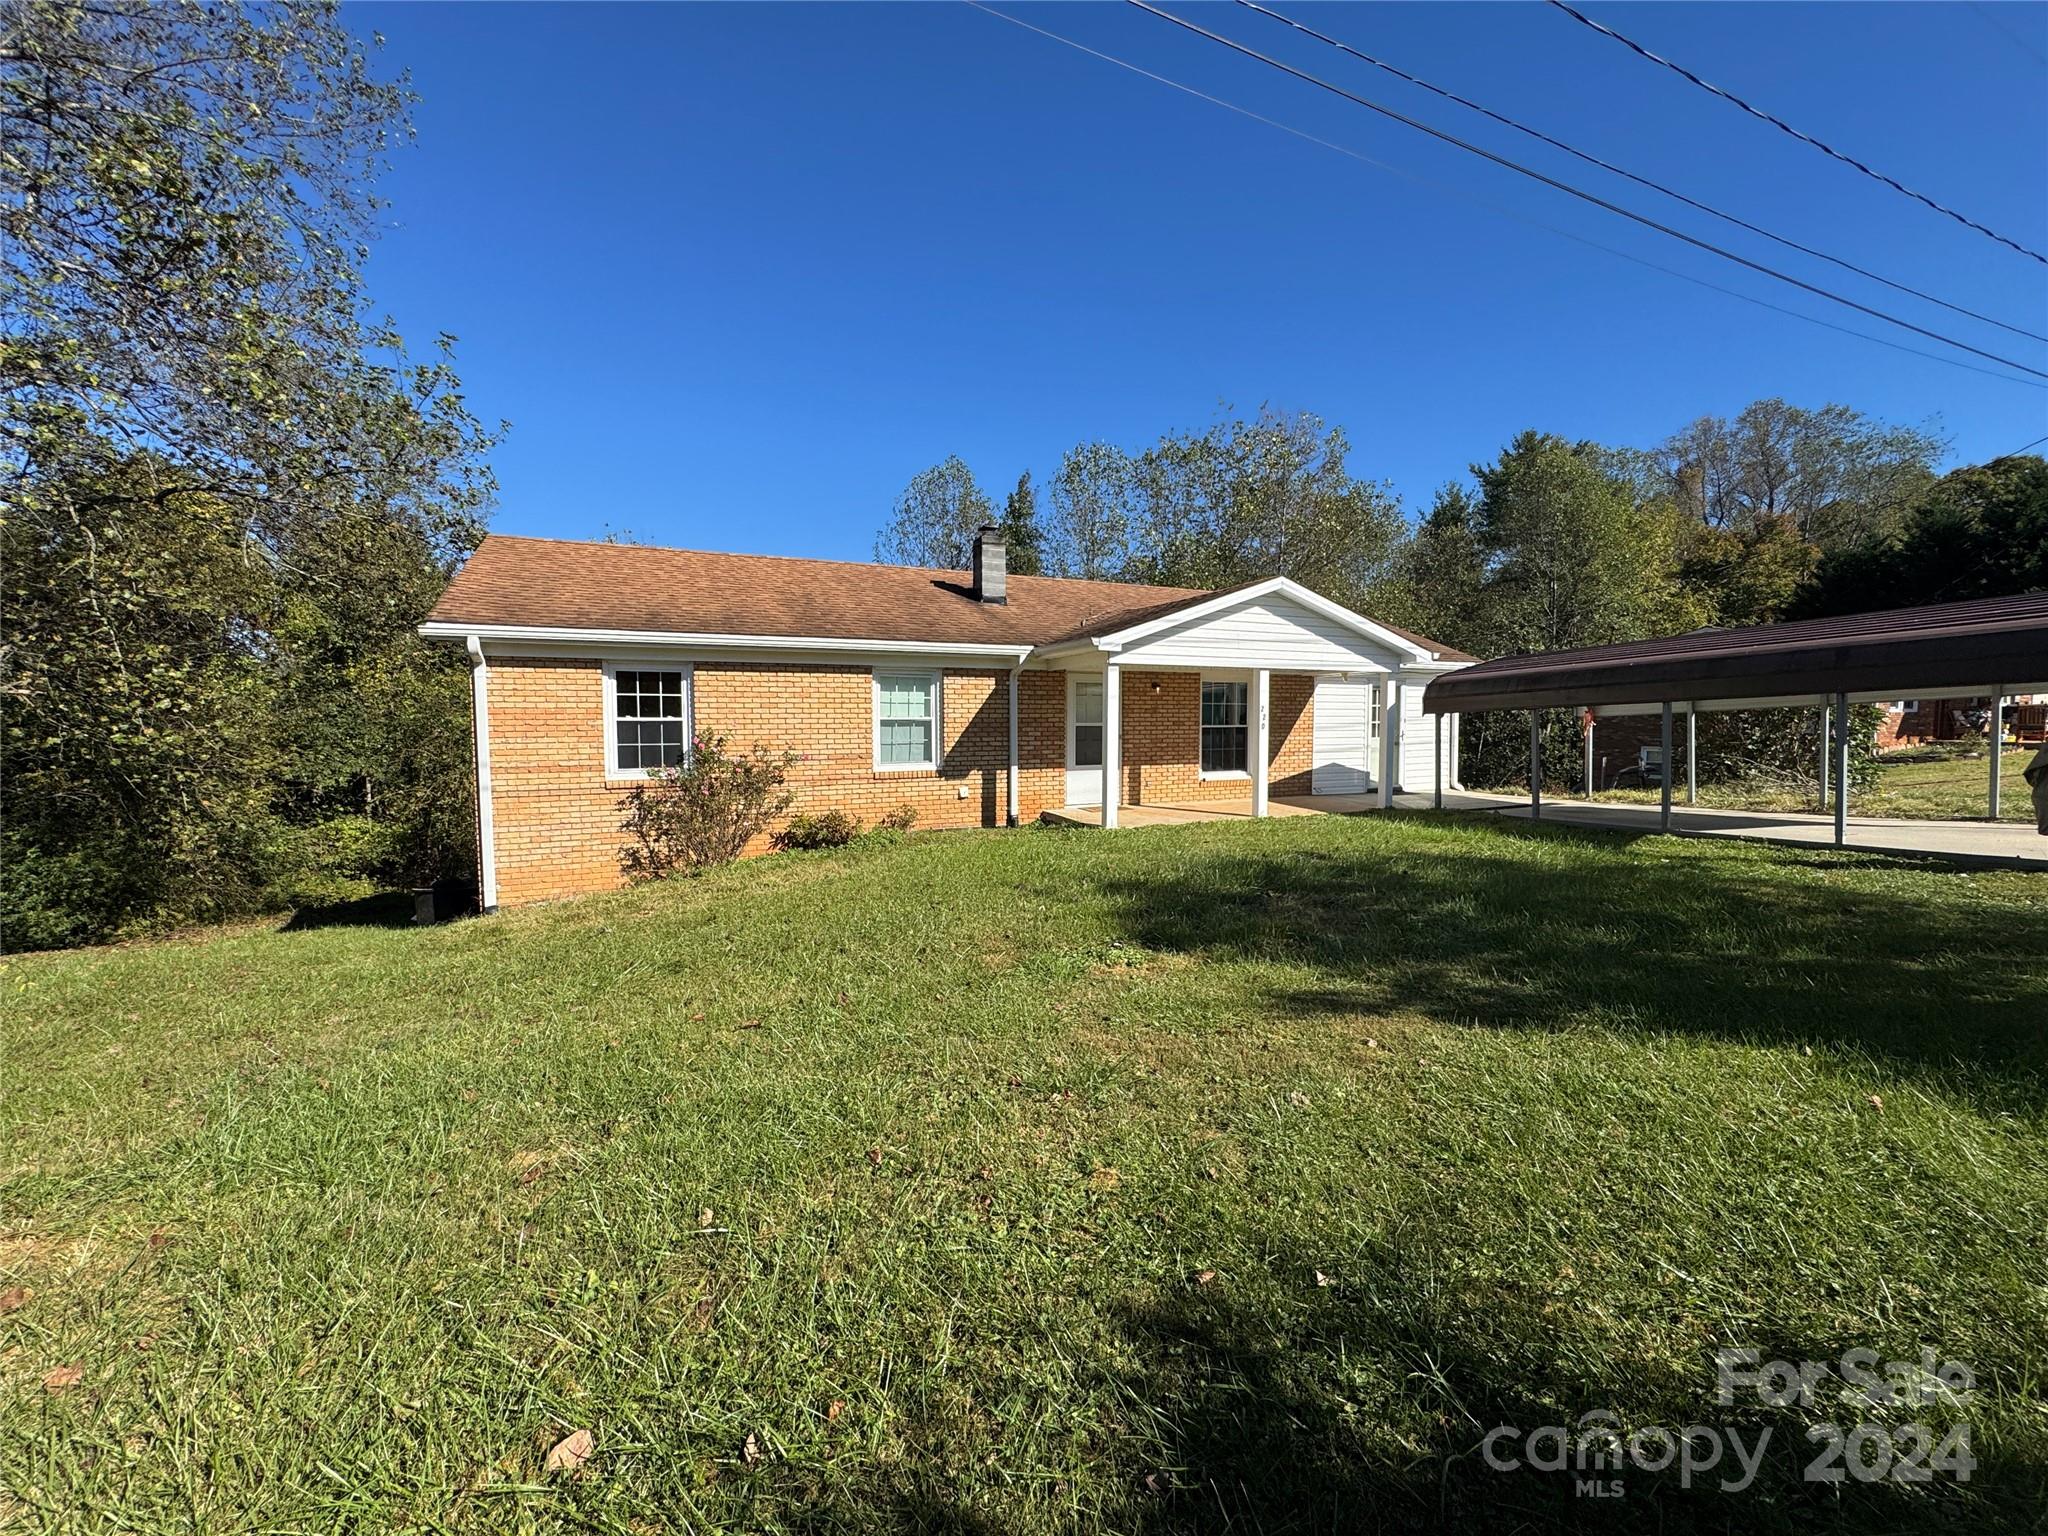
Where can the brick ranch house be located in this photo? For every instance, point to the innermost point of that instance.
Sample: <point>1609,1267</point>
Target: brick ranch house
<point>976,698</point>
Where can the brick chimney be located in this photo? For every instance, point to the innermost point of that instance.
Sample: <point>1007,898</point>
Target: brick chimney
<point>990,578</point>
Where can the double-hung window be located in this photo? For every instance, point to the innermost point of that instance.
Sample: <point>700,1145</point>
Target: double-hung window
<point>1226,727</point>
<point>647,719</point>
<point>906,720</point>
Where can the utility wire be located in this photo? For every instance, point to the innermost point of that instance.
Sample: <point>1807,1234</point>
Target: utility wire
<point>1584,196</point>
<point>1804,138</point>
<point>1992,19</point>
<point>1507,213</point>
<point>1641,181</point>
<point>2023,447</point>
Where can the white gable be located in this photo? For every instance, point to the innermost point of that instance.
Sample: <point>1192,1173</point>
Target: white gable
<point>1269,630</point>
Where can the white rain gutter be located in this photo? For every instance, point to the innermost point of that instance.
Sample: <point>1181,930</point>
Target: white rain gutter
<point>486,832</point>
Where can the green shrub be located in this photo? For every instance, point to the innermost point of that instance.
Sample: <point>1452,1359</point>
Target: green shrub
<point>902,819</point>
<point>704,811</point>
<point>827,829</point>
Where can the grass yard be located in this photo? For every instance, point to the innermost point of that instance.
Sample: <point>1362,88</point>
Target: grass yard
<point>1223,1177</point>
<point>1911,784</point>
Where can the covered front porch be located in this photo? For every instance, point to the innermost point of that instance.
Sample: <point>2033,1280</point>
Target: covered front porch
<point>1265,701</point>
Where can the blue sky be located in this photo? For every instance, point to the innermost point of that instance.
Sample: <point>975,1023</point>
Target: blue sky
<point>735,273</point>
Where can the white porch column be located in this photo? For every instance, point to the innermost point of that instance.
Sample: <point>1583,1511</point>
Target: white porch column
<point>1012,817</point>
<point>1112,729</point>
<point>1457,722</point>
<point>1390,736</point>
<point>1589,754</point>
<point>1262,693</point>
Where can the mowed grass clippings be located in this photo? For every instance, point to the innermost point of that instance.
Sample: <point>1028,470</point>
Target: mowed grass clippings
<point>1231,1177</point>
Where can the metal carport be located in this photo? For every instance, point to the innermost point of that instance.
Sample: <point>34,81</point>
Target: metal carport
<point>1987,647</point>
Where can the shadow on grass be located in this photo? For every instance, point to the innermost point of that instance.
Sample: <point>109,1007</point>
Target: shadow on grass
<point>386,909</point>
<point>1481,928</point>
<point>1259,1431</point>
<point>1366,1406</point>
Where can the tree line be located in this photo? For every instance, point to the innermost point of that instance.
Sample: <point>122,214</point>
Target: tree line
<point>1779,511</point>
<point>231,490</point>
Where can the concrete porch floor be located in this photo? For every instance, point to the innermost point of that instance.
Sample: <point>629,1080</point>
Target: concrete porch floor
<point>1162,814</point>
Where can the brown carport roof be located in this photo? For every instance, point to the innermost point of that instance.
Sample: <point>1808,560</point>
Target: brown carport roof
<point>1987,642</point>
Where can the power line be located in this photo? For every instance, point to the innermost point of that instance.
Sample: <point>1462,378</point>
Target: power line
<point>1804,138</point>
<point>1507,213</point>
<point>1992,19</point>
<point>1584,196</point>
<point>2023,447</point>
<point>1642,181</point>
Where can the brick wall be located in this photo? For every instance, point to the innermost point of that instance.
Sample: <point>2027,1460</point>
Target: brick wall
<point>557,817</point>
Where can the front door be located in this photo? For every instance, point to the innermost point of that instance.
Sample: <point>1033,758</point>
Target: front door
<point>1084,738</point>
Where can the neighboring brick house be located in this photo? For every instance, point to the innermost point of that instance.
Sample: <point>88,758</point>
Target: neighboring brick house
<point>975,699</point>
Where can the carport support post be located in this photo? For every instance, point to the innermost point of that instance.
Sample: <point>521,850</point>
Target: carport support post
<point>1997,746</point>
<point>1437,724</point>
<point>1589,754</point>
<point>1692,754</point>
<point>1664,802</point>
<point>1262,693</point>
<point>1825,748</point>
<point>1841,769</point>
<point>1535,765</point>
<point>1112,728</point>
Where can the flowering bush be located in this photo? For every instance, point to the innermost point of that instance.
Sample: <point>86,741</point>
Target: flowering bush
<point>704,810</point>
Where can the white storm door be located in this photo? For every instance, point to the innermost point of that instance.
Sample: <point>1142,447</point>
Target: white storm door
<point>1084,738</point>
<point>1342,737</point>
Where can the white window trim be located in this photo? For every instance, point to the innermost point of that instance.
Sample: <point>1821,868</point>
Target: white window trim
<point>938,682</point>
<point>613,666</point>
<point>1223,775</point>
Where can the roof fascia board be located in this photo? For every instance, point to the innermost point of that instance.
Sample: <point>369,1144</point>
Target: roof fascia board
<point>1273,586</point>
<point>445,629</point>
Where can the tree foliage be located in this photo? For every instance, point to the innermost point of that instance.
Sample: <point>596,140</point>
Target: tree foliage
<point>1022,538</point>
<point>1837,475</point>
<point>231,493</point>
<point>936,518</point>
<point>1979,532</point>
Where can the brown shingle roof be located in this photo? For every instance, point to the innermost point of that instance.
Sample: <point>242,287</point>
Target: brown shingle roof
<point>568,584</point>
<point>565,584</point>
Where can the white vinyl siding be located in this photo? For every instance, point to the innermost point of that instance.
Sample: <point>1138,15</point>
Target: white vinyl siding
<point>1273,632</point>
<point>906,720</point>
<point>1344,736</point>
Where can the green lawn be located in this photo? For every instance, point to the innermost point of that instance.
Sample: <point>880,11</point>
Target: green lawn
<point>1230,1177</point>
<point>1912,784</point>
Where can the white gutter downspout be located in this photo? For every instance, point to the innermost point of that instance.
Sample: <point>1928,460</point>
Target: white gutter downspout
<point>1012,818</point>
<point>486,833</point>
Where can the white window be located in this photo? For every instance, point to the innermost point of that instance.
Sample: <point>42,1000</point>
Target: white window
<point>1372,721</point>
<point>1226,728</point>
<point>647,718</point>
<point>906,720</point>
